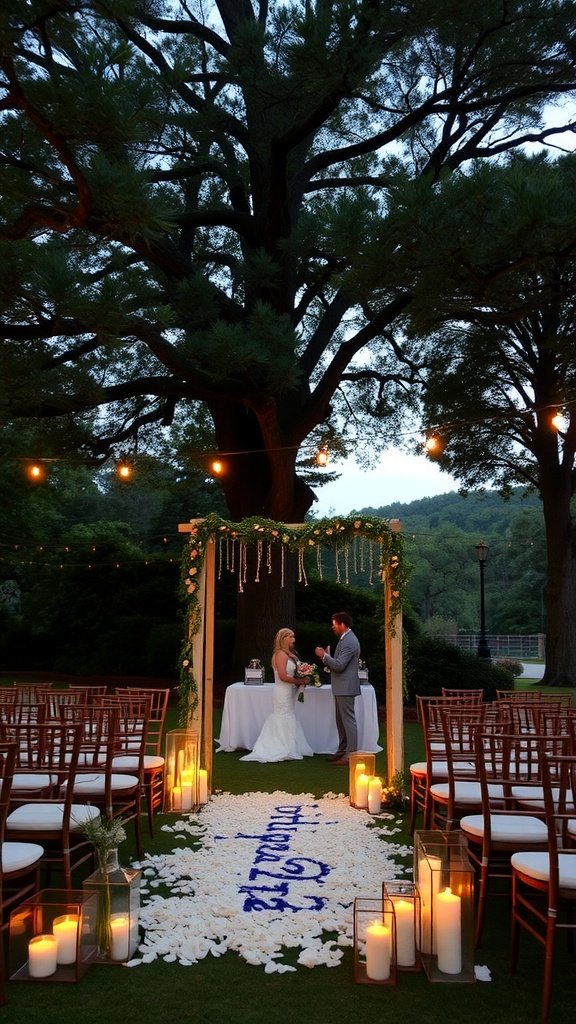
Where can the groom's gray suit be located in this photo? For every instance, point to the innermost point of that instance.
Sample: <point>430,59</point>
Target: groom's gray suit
<point>343,667</point>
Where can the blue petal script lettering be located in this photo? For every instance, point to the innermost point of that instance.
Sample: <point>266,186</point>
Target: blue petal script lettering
<point>273,846</point>
<point>297,869</point>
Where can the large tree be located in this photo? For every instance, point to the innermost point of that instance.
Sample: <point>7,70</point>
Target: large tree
<point>185,190</point>
<point>493,272</point>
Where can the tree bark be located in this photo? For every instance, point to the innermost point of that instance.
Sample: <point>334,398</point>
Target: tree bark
<point>560,589</point>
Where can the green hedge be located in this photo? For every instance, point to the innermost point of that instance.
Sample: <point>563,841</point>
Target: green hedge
<point>433,664</point>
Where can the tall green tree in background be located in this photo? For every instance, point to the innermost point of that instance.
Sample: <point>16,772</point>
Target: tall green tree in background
<point>493,272</point>
<point>186,189</point>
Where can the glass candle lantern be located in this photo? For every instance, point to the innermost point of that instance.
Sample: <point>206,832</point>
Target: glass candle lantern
<point>406,902</point>
<point>374,941</point>
<point>181,777</point>
<point>444,879</point>
<point>117,892</point>
<point>51,936</point>
<point>360,763</point>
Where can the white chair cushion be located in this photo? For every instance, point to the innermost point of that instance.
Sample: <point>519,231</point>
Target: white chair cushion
<point>21,782</point>
<point>18,856</point>
<point>533,796</point>
<point>37,816</point>
<point>537,866</point>
<point>466,792</point>
<point>124,761</point>
<point>506,828</point>
<point>96,784</point>
<point>152,762</point>
<point>418,768</point>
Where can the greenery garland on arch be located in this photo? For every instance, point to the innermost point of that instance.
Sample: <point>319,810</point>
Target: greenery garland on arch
<point>335,533</point>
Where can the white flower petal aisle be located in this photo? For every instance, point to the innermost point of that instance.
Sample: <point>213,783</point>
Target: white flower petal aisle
<point>274,871</point>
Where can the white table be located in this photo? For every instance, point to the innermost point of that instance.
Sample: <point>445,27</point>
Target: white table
<point>247,707</point>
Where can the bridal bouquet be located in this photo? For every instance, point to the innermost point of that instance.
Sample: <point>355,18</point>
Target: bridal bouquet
<point>304,670</point>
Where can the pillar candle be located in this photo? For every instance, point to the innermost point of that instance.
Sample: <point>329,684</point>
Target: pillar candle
<point>405,938</point>
<point>358,770</point>
<point>429,869</point>
<point>378,951</point>
<point>374,795</point>
<point>361,790</point>
<point>187,778</point>
<point>42,956</point>
<point>448,932</point>
<point>120,931</point>
<point>176,798</point>
<point>65,929</point>
<point>179,766</point>
<point>203,786</point>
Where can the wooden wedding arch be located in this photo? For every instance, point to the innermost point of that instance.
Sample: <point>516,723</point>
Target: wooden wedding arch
<point>206,538</point>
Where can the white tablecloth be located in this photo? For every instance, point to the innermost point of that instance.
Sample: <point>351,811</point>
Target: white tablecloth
<point>246,708</point>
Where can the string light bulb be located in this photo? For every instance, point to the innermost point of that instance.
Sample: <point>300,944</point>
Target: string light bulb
<point>216,467</point>
<point>559,421</point>
<point>35,471</point>
<point>322,456</point>
<point>124,469</point>
<point>433,445</point>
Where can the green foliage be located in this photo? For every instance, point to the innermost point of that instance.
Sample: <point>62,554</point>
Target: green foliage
<point>434,664</point>
<point>443,587</point>
<point>511,665</point>
<point>189,195</point>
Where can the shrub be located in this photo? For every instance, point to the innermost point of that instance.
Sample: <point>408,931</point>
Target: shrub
<point>516,668</point>
<point>433,664</point>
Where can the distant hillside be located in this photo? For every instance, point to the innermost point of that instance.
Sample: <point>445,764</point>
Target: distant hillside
<point>478,512</point>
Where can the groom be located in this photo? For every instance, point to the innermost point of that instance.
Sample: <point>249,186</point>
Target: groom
<point>345,684</point>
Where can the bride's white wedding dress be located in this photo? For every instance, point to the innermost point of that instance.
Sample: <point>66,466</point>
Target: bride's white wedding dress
<point>281,737</point>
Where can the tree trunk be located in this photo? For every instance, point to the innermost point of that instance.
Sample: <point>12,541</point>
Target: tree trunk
<point>259,479</point>
<point>560,590</point>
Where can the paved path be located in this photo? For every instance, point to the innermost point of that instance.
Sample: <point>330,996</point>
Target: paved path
<point>532,671</point>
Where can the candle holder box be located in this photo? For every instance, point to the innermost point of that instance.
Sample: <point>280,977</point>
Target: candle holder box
<point>446,931</point>
<point>48,912</point>
<point>182,758</point>
<point>374,941</point>
<point>404,891</point>
<point>355,760</point>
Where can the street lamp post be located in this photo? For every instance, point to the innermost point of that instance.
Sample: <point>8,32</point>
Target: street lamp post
<point>483,649</point>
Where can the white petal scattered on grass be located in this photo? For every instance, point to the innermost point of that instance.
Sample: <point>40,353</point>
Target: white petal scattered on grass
<point>269,872</point>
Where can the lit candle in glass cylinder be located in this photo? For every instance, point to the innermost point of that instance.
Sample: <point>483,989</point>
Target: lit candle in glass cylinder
<point>448,932</point>
<point>378,951</point>
<point>362,790</point>
<point>120,930</point>
<point>405,938</point>
<point>42,956</point>
<point>187,778</point>
<point>375,795</point>
<point>65,929</point>
<point>203,786</point>
<point>429,870</point>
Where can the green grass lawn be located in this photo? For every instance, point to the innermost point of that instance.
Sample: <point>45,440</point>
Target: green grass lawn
<point>229,991</point>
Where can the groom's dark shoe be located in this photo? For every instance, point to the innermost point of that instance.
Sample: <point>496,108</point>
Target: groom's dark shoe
<point>341,760</point>
<point>336,756</point>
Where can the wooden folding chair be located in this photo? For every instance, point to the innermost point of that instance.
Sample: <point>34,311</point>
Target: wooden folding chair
<point>512,814</point>
<point>153,757</point>
<point>544,883</point>
<point>50,818</point>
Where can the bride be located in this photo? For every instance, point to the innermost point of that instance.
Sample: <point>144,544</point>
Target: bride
<point>282,737</point>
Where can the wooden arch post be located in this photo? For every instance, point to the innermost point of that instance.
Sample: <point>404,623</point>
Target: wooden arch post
<point>203,655</point>
<point>393,676</point>
<point>203,662</point>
